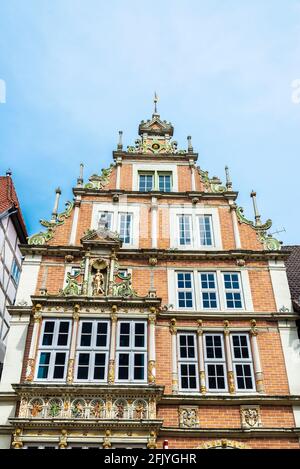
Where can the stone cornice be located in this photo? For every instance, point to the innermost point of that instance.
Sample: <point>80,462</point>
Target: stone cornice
<point>83,390</point>
<point>189,195</point>
<point>161,254</point>
<point>174,254</point>
<point>166,157</point>
<point>230,400</point>
<point>230,432</point>
<point>237,315</point>
<point>84,301</point>
<point>93,424</point>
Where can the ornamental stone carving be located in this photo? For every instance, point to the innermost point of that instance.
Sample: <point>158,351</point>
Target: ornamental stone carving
<point>250,417</point>
<point>84,408</point>
<point>188,417</point>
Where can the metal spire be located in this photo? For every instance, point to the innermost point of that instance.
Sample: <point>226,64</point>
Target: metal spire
<point>156,99</point>
<point>256,212</point>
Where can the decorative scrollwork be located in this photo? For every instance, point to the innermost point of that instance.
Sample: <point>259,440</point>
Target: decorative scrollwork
<point>99,182</point>
<point>41,238</point>
<point>122,286</point>
<point>73,288</point>
<point>211,184</point>
<point>269,243</point>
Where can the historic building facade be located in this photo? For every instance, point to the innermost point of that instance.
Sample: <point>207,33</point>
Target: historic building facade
<point>151,309</point>
<point>12,232</point>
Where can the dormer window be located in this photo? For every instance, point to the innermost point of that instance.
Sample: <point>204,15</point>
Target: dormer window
<point>146,182</point>
<point>165,182</point>
<point>155,181</point>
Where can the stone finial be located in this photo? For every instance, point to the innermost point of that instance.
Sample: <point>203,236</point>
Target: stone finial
<point>256,212</point>
<point>80,178</point>
<point>56,202</point>
<point>190,146</point>
<point>120,143</point>
<point>228,179</point>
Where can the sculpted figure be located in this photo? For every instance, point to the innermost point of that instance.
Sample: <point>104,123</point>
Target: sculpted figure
<point>98,283</point>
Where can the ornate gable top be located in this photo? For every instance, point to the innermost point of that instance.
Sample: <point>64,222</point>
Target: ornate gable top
<point>101,236</point>
<point>156,126</point>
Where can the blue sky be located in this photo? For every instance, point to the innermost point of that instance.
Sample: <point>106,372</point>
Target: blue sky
<point>78,71</point>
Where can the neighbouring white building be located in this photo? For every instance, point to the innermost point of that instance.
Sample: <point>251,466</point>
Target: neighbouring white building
<point>12,232</point>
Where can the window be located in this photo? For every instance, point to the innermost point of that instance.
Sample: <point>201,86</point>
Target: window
<point>125,227</point>
<point>164,182</point>
<point>131,351</point>
<point>205,230</point>
<point>187,361</point>
<point>54,350</point>
<point>233,293</point>
<point>155,181</point>
<point>184,290</point>
<point>208,288</point>
<point>146,182</point>
<point>215,362</point>
<point>185,238</point>
<point>202,226</point>
<point>92,351</point>
<point>106,220</point>
<point>242,362</point>
<point>15,272</point>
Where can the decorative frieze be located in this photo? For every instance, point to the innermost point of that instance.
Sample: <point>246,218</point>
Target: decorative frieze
<point>68,407</point>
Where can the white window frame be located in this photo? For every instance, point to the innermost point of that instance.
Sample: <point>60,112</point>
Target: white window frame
<point>92,350</point>
<point>131,350</point>
<point>116,209</point>
<point>192,289</point>
<point>195,213</point>
<point>196,289</point>
<point>242,361</point>
<point>53,349</point>
<point>233,290</point>
<point>187,361</point>
<point>190,229</point>
<point>209,290</point>
<point>156,168</point>
<point>147,173</point>
<point>120,214</point>
<point>211,225</point>
<point>215,361</point>
<point>165,173</point>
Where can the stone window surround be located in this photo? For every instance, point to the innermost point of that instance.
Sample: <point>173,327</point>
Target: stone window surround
<point>200,356</point>
<point>156,168</point>
<point>194,212</point>
<point>245,289</point>
<point>115,209</point>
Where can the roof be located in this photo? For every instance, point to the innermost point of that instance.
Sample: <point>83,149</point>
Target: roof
<point>293,273</point>
<point>9,204</point>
